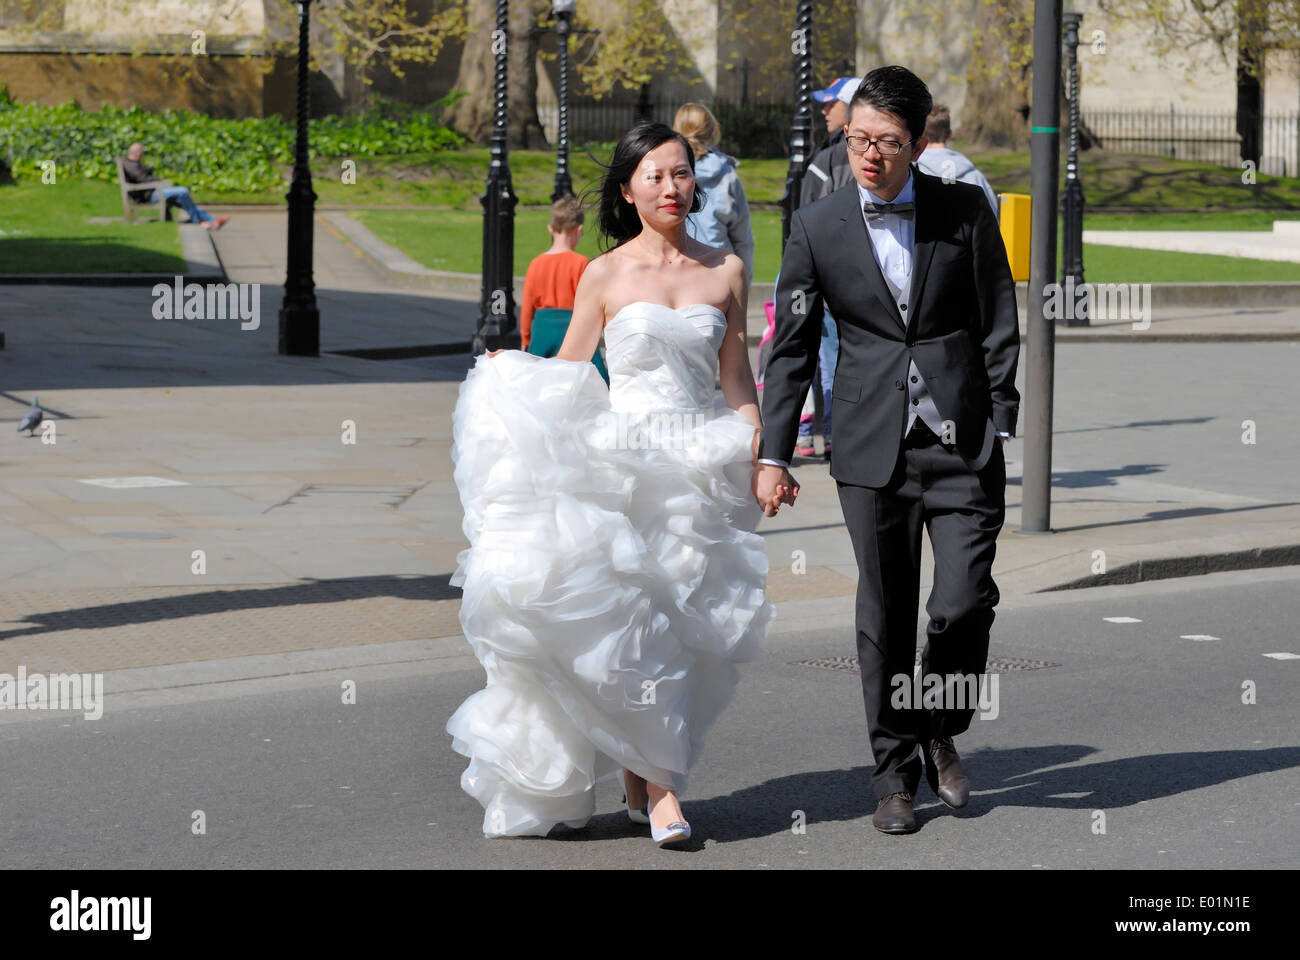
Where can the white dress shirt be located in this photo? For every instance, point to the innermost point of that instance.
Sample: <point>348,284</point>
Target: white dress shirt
<point>893,240</point>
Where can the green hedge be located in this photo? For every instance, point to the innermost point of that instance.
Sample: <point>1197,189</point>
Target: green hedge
<point>201,151</point>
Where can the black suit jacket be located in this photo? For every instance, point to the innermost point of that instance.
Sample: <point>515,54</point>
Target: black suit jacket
<point>964,332</point>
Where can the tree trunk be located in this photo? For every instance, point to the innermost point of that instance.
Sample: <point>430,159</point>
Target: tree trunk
<point>472,114</point>
<point>1250,92</point>
<point>996,112</point>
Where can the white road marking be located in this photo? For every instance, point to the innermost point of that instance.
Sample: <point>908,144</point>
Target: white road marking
<point>124,483</point>
<point>1283,656</point>
<point>1121,620</point>
<point>1197,636</point>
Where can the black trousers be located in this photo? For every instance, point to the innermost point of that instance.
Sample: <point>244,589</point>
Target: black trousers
<point>963,510</point>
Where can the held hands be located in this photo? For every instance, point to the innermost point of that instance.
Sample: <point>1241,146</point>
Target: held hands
<point>773,486</point>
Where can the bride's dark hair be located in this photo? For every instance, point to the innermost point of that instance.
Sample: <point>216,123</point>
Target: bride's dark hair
<point>619,221</point>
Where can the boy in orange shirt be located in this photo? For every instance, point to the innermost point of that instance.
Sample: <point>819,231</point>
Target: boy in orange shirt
<point>550,283</point>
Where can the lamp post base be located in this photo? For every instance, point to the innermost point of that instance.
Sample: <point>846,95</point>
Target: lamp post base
<point>300,330</point>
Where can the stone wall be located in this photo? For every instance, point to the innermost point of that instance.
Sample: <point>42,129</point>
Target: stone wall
<point>219,86</point>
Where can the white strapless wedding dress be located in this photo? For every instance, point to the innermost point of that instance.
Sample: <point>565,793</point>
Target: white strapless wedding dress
<point>613,579</point>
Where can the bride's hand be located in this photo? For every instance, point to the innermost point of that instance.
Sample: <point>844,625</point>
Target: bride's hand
<point>493,353</point>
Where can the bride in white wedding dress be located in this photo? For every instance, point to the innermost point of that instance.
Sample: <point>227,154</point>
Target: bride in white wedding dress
<point>613,579</point>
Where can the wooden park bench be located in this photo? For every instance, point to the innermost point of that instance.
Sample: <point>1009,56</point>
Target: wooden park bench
<point>130,205</point>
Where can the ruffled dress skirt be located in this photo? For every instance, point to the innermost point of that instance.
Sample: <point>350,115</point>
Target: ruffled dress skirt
<point>612,584</point>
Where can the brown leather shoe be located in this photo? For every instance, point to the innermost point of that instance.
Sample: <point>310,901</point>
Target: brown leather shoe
<point>894,814</point>
<point>945,774</point>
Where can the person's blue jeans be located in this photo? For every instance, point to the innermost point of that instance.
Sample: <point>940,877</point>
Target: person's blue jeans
<point>828,355</point>
<point>180,197</point>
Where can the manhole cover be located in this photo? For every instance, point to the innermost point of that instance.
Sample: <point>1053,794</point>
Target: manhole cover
<point>995,664</point>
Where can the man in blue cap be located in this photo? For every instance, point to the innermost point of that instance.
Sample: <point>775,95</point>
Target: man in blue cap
<point>829,169</point>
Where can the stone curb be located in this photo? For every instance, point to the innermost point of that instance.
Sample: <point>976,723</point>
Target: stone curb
<point>1195,565</point>
<point>1166,295</point>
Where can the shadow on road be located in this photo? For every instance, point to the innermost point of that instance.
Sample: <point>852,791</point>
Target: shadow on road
<point>1075,479</point>
<point>1180,513</point>
<point>177,607</point>
<point>1025,777</point>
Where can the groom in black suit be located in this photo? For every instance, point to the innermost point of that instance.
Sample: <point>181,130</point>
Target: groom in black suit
<point>915,273</point>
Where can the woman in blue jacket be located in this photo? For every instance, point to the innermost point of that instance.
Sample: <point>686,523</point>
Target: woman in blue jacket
<point>724,220</point>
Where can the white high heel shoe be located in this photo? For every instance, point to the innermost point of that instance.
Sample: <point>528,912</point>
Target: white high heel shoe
<point>634,814</point>
<point>675,832</point>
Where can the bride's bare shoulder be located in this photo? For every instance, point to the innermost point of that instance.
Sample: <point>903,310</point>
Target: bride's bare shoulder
<point>595,275</point>
<point>600,282</point>
<point>719,258</point>
<point>602,269</point>
<point>732,265</point>
<point>732,270</point>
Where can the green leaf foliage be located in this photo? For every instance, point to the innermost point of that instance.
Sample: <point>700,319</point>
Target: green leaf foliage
<point>222,155</point>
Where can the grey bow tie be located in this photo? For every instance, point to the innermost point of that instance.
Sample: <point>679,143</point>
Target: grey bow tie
<point>873,210</point>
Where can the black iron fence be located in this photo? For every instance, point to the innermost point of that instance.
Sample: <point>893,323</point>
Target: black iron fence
<point>1203,137</point>
<point>748,130</point>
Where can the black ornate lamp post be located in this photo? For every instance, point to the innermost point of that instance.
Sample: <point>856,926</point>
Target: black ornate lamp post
<point>496,321</point>
<point>299,318</point>
<point>563,10</point>
<point>801,129</point>
<point>1072,234</point>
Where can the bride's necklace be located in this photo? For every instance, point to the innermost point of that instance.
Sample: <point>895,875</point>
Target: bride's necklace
<point>664,260</point>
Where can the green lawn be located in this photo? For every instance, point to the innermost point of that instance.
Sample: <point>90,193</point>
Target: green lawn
<point>1147,183</point>
<point>455,178</point>
<point>1220,220</point>
<point>44,229</point>
<point>1150,184</point>
<point>453,240</point>
<point>1104,264</point>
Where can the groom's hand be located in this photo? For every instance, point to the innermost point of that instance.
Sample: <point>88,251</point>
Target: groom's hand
<point>772,486</point>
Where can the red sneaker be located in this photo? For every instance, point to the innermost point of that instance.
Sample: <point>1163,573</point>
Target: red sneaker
<point>220,222</point>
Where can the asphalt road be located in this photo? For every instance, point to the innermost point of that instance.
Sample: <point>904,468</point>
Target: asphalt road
<point>1133,722</point>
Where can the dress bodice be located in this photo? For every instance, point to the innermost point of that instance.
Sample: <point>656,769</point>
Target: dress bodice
<point>661,358</point>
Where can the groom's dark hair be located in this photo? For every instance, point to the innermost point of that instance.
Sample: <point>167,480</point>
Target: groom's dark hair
<point>899,91</point>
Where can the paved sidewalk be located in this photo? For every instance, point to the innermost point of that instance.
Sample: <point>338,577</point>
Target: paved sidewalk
<point>314,543</point>
<point>253,249</point>
<point>1281,243</point>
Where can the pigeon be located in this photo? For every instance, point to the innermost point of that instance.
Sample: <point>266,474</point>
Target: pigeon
<point>33,419</point>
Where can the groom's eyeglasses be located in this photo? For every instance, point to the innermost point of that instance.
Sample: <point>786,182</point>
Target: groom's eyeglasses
<point>886,148</point>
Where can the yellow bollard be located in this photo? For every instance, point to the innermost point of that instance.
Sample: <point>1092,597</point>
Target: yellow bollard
<point>1014,222</point>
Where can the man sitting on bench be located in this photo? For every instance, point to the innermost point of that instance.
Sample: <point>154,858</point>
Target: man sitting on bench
<point>137,172</point>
